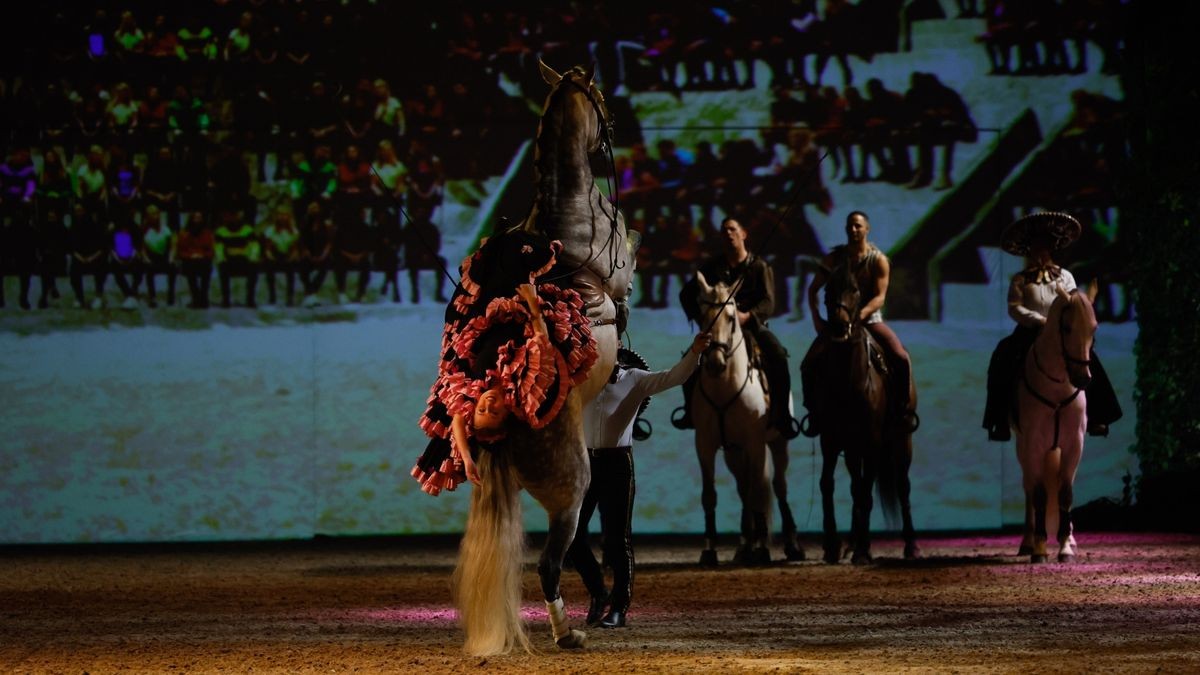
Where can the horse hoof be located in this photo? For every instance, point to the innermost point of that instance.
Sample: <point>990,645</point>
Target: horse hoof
<point>1066,557</point>
<point>1026,549</point>
<point>831,557</point>
<point>576,639</point>
<point>742,556</point>
<point>708,558</point>
<point>1038,558</point>
<point>793,553</point>
<point>912,551</point>
<point>861,559</point>
<point>760,556</point>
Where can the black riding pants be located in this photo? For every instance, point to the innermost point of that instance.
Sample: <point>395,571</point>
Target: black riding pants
<point>612,489</point>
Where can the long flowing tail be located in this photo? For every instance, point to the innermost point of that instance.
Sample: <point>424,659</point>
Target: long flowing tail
<point>487,580</point>
<point>889,466</point>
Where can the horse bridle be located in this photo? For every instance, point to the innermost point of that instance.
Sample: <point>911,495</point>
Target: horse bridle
<point>604,137</point>
<point>725,347</point>
<point>604,133</point>
<point>727,350</point>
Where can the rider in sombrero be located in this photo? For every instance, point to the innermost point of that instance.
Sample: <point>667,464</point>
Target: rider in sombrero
<point>1037,236</point>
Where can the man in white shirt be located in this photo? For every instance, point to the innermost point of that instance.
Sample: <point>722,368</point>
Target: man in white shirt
<point>608,430</point>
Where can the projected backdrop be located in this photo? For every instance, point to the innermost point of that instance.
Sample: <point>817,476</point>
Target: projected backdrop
<point>225,225</point>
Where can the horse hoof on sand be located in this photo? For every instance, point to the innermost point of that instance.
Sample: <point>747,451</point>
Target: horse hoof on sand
<point>742,556</point>
<point>1038,558</point>
<point>708,558</point>
<point>760,556</point>
<point>793,553</point>
<point>912,551</point>
<point>861,559</point>
<point>576,639</point>
<point>1026,549</point>
<point>831,557</point>
<point>1066,557</point>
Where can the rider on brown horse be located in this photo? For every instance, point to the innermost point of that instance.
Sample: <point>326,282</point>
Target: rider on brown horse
<point>872,270</point>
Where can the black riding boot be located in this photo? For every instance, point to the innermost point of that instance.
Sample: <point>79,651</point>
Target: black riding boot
<point>901,381</point>
<point>1102,406</point>
<point>780,384</point>
<point>813,428</point>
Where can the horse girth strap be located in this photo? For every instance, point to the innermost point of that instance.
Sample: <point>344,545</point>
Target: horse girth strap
<point>720,409</point>
<point>1056,407</point>
<point>595,323</point>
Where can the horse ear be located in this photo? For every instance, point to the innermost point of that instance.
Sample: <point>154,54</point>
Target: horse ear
<point>552,78</point>
<point>589,74</point>
<point>1092,289</point>
<point>703,283</point>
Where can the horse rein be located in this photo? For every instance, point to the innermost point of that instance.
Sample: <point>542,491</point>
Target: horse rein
<point>1067,358</point>
<point>717,344</point>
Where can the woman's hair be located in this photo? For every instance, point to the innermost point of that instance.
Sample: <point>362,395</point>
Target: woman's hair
<point>492,434</point>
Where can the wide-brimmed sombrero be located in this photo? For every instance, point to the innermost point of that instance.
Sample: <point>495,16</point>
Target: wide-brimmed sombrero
<point>627,358</point>
<point>1060,228</point>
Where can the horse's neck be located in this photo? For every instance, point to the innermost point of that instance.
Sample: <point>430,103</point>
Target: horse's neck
<point>562,173</point>
<point>1045,367</point>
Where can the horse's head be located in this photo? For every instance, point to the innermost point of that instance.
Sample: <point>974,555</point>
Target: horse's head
<point>718,313</point>
<point>1075,320</point>
<point>583,100</point>
<point>842,298</point>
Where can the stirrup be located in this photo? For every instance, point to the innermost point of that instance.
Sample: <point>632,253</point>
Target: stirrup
<point>789,428</point>
<point>681,419</point>
<point>808,426</point>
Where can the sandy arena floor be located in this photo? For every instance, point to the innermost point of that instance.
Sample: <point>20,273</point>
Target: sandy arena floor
<point>1130,604</point>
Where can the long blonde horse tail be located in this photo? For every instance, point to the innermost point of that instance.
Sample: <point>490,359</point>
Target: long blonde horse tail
<point>487,579</point>
<point>1051,462</point>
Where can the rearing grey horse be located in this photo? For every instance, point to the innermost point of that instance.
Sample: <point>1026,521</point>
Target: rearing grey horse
<point>550,463</point>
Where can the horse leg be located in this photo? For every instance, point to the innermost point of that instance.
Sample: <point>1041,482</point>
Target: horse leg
<point>779,459</point>
<point>1026,547</point>
<point>1066,537</point>
<point>1039,522</point>
<point>741,555</point>
<point>861,484</point>
<point>904,488</point>
<point>1027,472</point>
<point>831,544</point>
<point>759,490</point>
<point>1066,497</point>
<point>737,461</point>
<point>558,540</point>
<point>706,453</point>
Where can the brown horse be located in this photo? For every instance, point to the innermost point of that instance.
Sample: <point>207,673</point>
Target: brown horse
<point>550,463</point>
<point>857,424</point>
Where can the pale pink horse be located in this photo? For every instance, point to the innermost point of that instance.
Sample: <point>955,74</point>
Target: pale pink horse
<point>1052,418</point>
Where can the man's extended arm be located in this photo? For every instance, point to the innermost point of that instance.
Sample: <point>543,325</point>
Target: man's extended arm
<point>883,275</point>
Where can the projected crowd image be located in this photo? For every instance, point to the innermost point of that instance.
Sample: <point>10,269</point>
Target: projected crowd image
<point>231,230</point>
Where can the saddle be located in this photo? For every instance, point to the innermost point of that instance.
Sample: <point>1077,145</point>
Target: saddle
<point>876,356</point>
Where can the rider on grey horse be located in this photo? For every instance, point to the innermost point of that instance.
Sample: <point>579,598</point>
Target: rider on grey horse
<point>755,299</point>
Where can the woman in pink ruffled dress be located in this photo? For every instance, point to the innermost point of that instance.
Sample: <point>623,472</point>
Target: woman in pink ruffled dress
<point>512,349</point>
